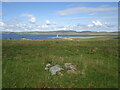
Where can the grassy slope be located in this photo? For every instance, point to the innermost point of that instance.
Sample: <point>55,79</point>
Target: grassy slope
<point>24,62</point>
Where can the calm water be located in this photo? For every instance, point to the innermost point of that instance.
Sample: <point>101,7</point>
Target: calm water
<point>44,37</point>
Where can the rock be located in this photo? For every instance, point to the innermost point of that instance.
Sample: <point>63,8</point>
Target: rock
<point>73,67</point>
<point>67,65</point>
<point>70,66</point>
<point>55,69</point>
<point>71,72</point>
<point>59,73</point>
<point>46,68</point>
<point>48,65</point>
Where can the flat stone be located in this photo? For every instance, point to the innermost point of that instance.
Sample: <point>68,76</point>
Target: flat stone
<point>71,72</point>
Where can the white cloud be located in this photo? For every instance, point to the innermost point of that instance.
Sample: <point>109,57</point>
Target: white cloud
<point>6,27</point>
<point>44,26</point>
<point>32,18</point>
<point>67,27</point>
<point>98,23</point>
<point>27,15</point>
<point>83,20</point>
<point>90,25</point>
<point>95,25</point>
<point>20,24</point>
<point>16,19</point>
<point>8,30</point>
<point>47,22</point>
<point>99,26</point>
<point>77,10</point>
<point>92,14</point>
<point>50,22</point>
<point>2,24</point>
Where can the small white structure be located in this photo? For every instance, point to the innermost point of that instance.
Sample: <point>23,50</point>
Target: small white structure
<point>57,35</point>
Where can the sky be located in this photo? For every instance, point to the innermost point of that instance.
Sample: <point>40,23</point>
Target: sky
<point>54,16</point>
<point>60,0</point>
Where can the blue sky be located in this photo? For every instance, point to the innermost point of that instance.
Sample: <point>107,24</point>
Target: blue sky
<point>52,16</point>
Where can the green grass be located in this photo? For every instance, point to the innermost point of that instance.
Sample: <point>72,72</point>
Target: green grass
<point>24,62</point>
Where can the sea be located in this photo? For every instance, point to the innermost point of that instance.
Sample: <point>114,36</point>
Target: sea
<point>44,37</point>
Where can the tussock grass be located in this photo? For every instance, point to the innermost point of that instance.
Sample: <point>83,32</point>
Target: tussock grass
<point>24,62</point>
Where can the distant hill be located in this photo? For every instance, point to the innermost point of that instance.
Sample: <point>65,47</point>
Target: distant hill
<point>64,32</point>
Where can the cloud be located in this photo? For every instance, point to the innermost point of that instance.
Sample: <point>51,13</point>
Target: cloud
<point>2,24</point>
<point>77,10</point>
<point>82,20</point>
<point>25,27</point>
<point>47,22</point>
<point>67,27</point>
<point>16,19</point>
<point>110,18</point>
<point>92,14</point>
<point>1,15</point>
<point>6,27</point>
<point>27,15</point>
<point>44,26</point>
<point>99,26</point>
<point>32,18</point>
<point>97,23</point>
<point>90,25</point>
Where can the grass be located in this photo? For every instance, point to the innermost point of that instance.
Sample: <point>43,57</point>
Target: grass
<point>78,38</point>
<point>24,62</point>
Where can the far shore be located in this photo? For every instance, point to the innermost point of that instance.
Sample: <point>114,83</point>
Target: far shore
<point>64,33</point>
<point>71,38</point>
